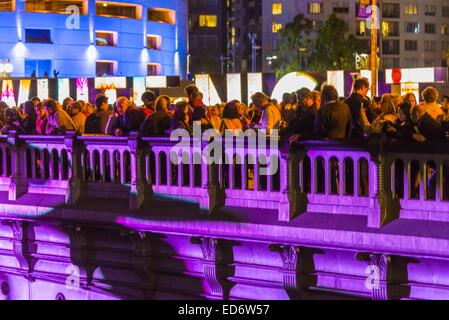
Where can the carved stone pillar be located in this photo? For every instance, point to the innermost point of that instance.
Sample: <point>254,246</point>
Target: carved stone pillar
<point>18,185</point>
<point>379,274</point>
<point>291,273</point>
<point>384,207</point>
<point>213,196</point>
<point>214,267</point>
<point>293,201</point>
<point>23,249</point>
<point>74,162</point>
<point>140,189</point>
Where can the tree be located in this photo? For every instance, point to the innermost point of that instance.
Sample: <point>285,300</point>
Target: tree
<point>293,37</point>
<point>334,47</point>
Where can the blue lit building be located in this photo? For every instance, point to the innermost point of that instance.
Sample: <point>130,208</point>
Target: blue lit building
<point>120,37</point>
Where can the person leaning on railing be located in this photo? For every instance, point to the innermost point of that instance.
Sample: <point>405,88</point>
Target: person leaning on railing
<point>158,122</point>
<point>59,122</point>
<point>334,120</point>
<point>96,122</point>
<point>125,119</point>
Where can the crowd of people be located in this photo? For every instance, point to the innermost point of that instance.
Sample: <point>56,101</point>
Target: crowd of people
<point>301,115</point>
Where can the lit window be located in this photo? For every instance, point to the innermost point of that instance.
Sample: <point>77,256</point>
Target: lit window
<point>411,9</point>
<point>277,9</point>
<point>106,68</point>
<point>106,38</point>
<point>431,10</point>
<point>7,5</point>
<point>444,29</point>
<point>315,7</point>
<point>162,16</point>
<point>154,69</point>
<point>54,6</point>
<point>276,27</point>
<point>208,21</point>
<point>118,10</point>
<point>362,28</point>
<point>154,42</point>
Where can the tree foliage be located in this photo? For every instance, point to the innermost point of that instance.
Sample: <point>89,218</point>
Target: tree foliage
<point>293,37</point>
<point>334,47</point>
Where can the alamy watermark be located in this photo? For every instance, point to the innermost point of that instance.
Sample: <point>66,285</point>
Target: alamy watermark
<point>261,148</point>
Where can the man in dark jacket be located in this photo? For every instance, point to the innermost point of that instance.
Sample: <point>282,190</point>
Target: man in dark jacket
<point>302,125</point>
<point>148,99</point>
<point>157,122</point>
<point>334,119</point>
<point>197,106</point>
<point>96,122</point>
<point>129,118</point>
<point>356,102</point>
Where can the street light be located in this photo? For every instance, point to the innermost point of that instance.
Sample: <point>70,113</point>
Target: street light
<point>301,51</point>
<point>271,59</point>
<point>6,69</point>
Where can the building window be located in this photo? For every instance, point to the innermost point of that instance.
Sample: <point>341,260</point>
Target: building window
<point>106,38</point>
<point>411,45</point>
<point>193,22</point>
<point>105,68</point>
<point>444,29</point>
<point>390,63</point>
<point>154,69</point>
<point>446,11</point>
<point>209,41</point>
<point>315,7</point>
<point>429,63</point>
<point>391,10</point>
<point>361,28</point>
<point>7,5</point>
<point>154,42</point>
<point>54,6</point>
<point>208,21</point>
<point>162,16</point>
<point>118,10</point>
<point>390,29</point>
<point>429,28</point>
<point>37,68</point>
<point>38,36</point>
<point>275,27</point>
<point>431,10</point>
<point>411,9</point>
<point>276,9</point>
<point>341,7</point>
<point>410,63</point>
<point>390,47</point>
<point>430,46</point>
<point>412,27</point>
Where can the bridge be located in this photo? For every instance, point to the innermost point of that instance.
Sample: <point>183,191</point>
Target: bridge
<point>98,217</point>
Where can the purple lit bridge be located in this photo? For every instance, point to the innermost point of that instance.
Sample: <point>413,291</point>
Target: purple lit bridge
<point>97,217</point>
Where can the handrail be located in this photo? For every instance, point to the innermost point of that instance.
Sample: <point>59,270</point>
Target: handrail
<point>361,177</point>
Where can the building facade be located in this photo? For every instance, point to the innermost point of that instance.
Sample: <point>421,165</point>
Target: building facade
<point>412,33</point>
<point>94,38</point>
<point>246,22</point>
<point>208,36</point>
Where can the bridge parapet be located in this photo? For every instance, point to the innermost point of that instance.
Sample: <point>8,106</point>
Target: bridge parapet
<point>381,180</point>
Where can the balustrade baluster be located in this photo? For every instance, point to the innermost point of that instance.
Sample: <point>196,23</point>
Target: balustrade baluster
<point>439,178</point>
<point>33,163</point>
<point>122,168</point>
<point>342,183</point>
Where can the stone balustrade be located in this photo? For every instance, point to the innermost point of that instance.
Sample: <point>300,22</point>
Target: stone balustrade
<point>135,224</point>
